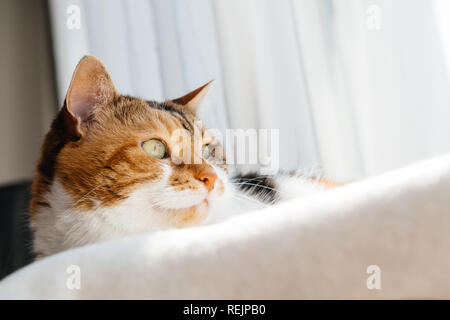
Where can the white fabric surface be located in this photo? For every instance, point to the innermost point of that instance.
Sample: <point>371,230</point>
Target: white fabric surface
<point>315,247</point>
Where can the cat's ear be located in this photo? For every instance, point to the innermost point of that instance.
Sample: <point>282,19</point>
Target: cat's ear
<point>91,87</point>
<point>193,99</point>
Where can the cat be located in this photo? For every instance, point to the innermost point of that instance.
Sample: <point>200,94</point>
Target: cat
<point>110,168</point>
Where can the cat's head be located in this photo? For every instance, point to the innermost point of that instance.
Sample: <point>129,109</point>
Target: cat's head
<point>128,162</point>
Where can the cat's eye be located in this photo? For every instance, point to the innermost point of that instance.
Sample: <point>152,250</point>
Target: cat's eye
<point>155,148</point>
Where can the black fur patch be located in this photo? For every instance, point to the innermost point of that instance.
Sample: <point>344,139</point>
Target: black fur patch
<point>260,187</point>
<point>165,107</point>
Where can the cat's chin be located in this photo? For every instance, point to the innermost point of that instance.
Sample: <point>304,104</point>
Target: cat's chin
<point>191,215</point>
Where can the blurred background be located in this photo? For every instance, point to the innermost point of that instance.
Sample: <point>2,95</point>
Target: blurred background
<point>356,87</point>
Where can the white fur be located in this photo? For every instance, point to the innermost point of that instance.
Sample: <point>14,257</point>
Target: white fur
<point>61,226</point>
<point>296,187</point>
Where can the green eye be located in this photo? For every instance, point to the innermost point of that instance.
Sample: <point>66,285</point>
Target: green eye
<point>155,148</point>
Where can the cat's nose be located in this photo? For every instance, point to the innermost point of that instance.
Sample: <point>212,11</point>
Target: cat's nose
<point>208,177</point>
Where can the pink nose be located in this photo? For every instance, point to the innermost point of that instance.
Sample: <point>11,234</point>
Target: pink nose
<point>208,177</point>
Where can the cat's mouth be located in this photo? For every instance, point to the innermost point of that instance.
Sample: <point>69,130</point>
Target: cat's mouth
<point>189,209</point>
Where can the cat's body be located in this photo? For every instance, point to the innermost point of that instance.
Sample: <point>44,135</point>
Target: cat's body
<point>113,166</point>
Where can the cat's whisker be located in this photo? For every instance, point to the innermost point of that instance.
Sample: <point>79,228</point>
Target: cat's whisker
<point>82,198</point>
<point>264,198</point>
<point>256,185</point>
<point>243,197</point>
<point>250,202</point>
<point>239,179</point>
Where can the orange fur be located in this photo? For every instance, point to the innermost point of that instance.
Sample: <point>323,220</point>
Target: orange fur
<point>329,184</point>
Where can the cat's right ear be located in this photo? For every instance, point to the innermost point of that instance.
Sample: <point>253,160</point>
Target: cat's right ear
<point>91,88</point>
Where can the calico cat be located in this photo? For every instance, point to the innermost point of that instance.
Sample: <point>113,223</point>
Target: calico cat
<point>110,168</point>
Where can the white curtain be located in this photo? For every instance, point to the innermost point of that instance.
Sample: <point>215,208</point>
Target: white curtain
<point>162,49</point>
<point>379,94</point>
<point>349,98</point>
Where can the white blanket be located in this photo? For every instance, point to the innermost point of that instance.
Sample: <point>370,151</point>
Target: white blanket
<point>316,247</point>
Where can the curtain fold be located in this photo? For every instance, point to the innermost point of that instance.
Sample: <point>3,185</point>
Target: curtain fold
<point>380,95</point>
<point>263,75</point>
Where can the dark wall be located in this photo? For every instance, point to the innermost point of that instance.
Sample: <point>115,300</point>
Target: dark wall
<point>27,89</point>
<point>27,105</point>
<point>15,235</point>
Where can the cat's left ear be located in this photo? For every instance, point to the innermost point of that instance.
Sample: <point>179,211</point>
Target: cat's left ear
<point>91,88</point>
<point>193,99</point>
